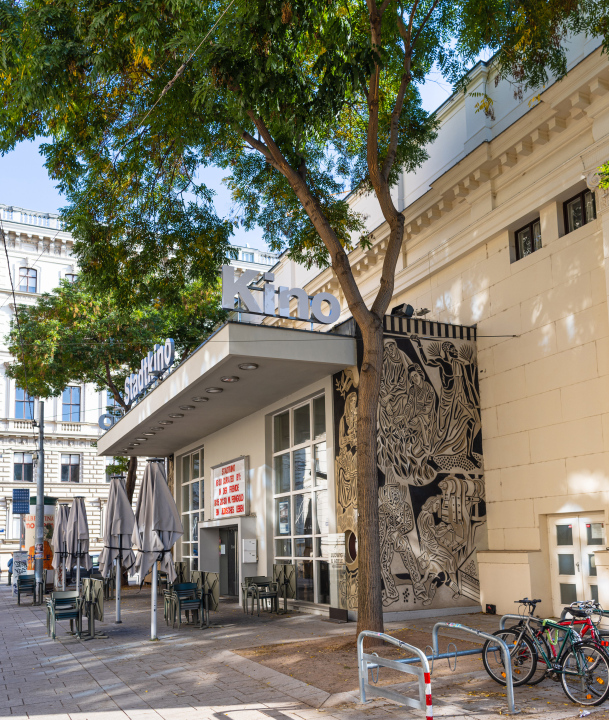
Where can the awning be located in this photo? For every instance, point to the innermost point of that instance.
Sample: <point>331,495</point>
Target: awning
<point>287,361</point>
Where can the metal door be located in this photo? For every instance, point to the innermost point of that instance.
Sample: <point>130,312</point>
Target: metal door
<point>228,562</point>
<point>573,539</point>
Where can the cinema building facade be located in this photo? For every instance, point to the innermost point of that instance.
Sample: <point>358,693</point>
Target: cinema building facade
<point>493,420</point>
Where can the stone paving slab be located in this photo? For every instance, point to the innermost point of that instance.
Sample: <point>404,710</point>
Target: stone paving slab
<point>196,674</point>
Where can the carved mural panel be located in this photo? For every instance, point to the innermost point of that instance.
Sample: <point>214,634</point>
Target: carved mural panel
<point>429,454</point>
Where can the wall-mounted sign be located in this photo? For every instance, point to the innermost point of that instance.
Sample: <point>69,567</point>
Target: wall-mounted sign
<point>230,489</point>
<point>320,308</point>
<point>152,366</point>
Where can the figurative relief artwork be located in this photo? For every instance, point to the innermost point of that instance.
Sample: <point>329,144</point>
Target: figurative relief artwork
<point>429,454</point>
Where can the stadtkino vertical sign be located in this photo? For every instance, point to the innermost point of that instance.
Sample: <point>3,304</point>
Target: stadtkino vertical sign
<point>319,308</point>
<point>155,362</point>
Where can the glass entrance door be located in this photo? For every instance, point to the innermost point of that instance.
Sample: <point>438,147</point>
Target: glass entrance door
<point>573,540</point>
<point>228,562</point>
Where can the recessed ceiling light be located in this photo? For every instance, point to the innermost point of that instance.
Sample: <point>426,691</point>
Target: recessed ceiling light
<point>248,366</point>
<point>165,422</point>
<point>213,390</point>
<point>125,450</point>
<point>157,429</point>
<point>200,398</point>
<point>230,378</point>
<point>176,415</point>
<point>149,434</point>
<point>134,444</point>
<point>142,439</point>
<point>187,407</point>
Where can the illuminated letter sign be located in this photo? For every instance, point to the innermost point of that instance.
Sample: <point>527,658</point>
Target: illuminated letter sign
<point>320,308</point>
<point>151,367</point>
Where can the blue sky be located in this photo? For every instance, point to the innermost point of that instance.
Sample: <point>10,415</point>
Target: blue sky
<point>24,181</point>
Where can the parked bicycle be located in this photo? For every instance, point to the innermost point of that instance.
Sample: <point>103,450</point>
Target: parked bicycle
<point>582,666</point>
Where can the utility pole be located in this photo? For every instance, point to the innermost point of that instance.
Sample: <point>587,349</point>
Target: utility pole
<point>39,531</point>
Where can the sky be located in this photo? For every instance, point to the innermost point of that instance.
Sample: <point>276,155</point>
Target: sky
<point>24,181</point>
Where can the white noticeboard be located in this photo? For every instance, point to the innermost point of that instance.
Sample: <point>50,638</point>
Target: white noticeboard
<point>230,489</point>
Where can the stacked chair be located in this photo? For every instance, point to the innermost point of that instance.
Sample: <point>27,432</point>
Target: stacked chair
<point>64,605</point>
<point>26,583</point>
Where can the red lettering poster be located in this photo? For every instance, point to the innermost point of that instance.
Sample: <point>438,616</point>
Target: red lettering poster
<point>229,488</point>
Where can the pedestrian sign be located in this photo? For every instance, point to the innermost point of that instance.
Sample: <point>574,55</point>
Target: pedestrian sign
<point>21,501</point>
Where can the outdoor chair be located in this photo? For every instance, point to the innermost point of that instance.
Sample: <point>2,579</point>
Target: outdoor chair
<point>246,585</point>
<point>63,605</point>
<point>26,583</point>
<point>269,593</point>
<point>184,596</point>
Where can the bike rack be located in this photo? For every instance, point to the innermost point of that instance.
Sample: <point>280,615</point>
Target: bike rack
<point>504,618</point>
<point>367,662</point>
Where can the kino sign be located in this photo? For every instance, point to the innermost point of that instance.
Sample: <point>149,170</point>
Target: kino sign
<point>308,308</point>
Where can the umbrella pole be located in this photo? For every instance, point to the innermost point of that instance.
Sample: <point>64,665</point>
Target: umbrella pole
<point>118,589</point>
<point>78,568</point>
<point>153,603</point>
<point>63,568</point>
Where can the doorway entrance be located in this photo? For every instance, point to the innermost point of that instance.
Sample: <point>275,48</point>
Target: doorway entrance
<point>228,562</point>
<point>573,540</point>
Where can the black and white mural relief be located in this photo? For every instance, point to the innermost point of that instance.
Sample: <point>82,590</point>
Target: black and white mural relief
<point>429,453</point>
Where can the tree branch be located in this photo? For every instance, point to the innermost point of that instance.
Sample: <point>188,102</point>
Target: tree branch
<point>425,19</point>
<point>115,391</point>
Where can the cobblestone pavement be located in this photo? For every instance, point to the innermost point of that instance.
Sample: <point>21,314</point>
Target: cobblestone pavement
<point>192,673</point>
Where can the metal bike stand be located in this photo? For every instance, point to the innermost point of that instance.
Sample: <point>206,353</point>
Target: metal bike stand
<point>367,662</point>
<point>505,618</point>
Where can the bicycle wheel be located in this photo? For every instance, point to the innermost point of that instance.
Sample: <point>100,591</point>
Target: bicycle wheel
<point>522,653</point>
<point>585,674</point>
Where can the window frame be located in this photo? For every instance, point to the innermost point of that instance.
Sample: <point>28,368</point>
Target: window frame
<point>70,405</point>
<point>315,490</point>
<point>69,465</point>
<point>71,277</point>
<point>27,401</point>
<point>23,464</point>
<point>28,273</point>
<point>581,196</point>
<point>190,540</point>
<point>529,226</point>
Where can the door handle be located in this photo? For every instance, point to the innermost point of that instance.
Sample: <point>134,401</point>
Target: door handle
<point>577,566</point>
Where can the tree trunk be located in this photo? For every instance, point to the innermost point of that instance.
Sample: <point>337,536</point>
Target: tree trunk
<point>369,598</point>
<point>131,477</point>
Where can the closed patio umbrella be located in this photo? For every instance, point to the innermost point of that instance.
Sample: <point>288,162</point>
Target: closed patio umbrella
<point>77,538</point>
<point>118,530</point>
<point>157,527</point>
<point>59,541</point>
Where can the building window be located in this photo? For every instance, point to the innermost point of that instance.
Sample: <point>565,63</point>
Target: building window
<point>580,210</point>
<point>24,405</point>
<point>528,239</point>
<point>248,257</point>
<point>300,483</point>
<point>23,467</point>
<point>192,506</point>
<point>70,404</point>
<point>27,279</point>
<point>71,278</point>
<point>70,468</point>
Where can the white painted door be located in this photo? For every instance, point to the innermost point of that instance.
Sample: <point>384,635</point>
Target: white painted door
<point>573,540</point>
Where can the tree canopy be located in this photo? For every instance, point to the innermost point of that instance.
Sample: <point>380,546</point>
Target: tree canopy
<point>300,101</point>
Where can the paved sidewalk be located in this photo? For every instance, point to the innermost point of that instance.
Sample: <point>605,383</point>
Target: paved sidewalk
<point>192,673</point>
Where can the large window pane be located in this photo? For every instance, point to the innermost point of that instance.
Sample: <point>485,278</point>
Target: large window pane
<point>186,525</point>
<point>568,593</point>
<point>186,469</point>
<point>302,424</point>
<point>304,580</point>
<point>303,514</point>
<point>282,516</point>
<point>594,533</point>
<point>195,466</point>
<point>592,561</point>
<point>322,517</point>
<point>590,206</point>
<point>194,519</point>
<point>321,468</point>
<point>282,473</point>
<point>319,417</point>
<point>281,431</point>
<point>302,468</point>
<point>525,245</point>
<point>574,214</point>
<point>283,548</point>
<point>536,235</point>
<point>323,582</point>
<point>303,547</point>
<point>195,496</point>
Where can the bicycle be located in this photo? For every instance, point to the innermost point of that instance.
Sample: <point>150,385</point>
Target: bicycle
<point>581,666</point>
